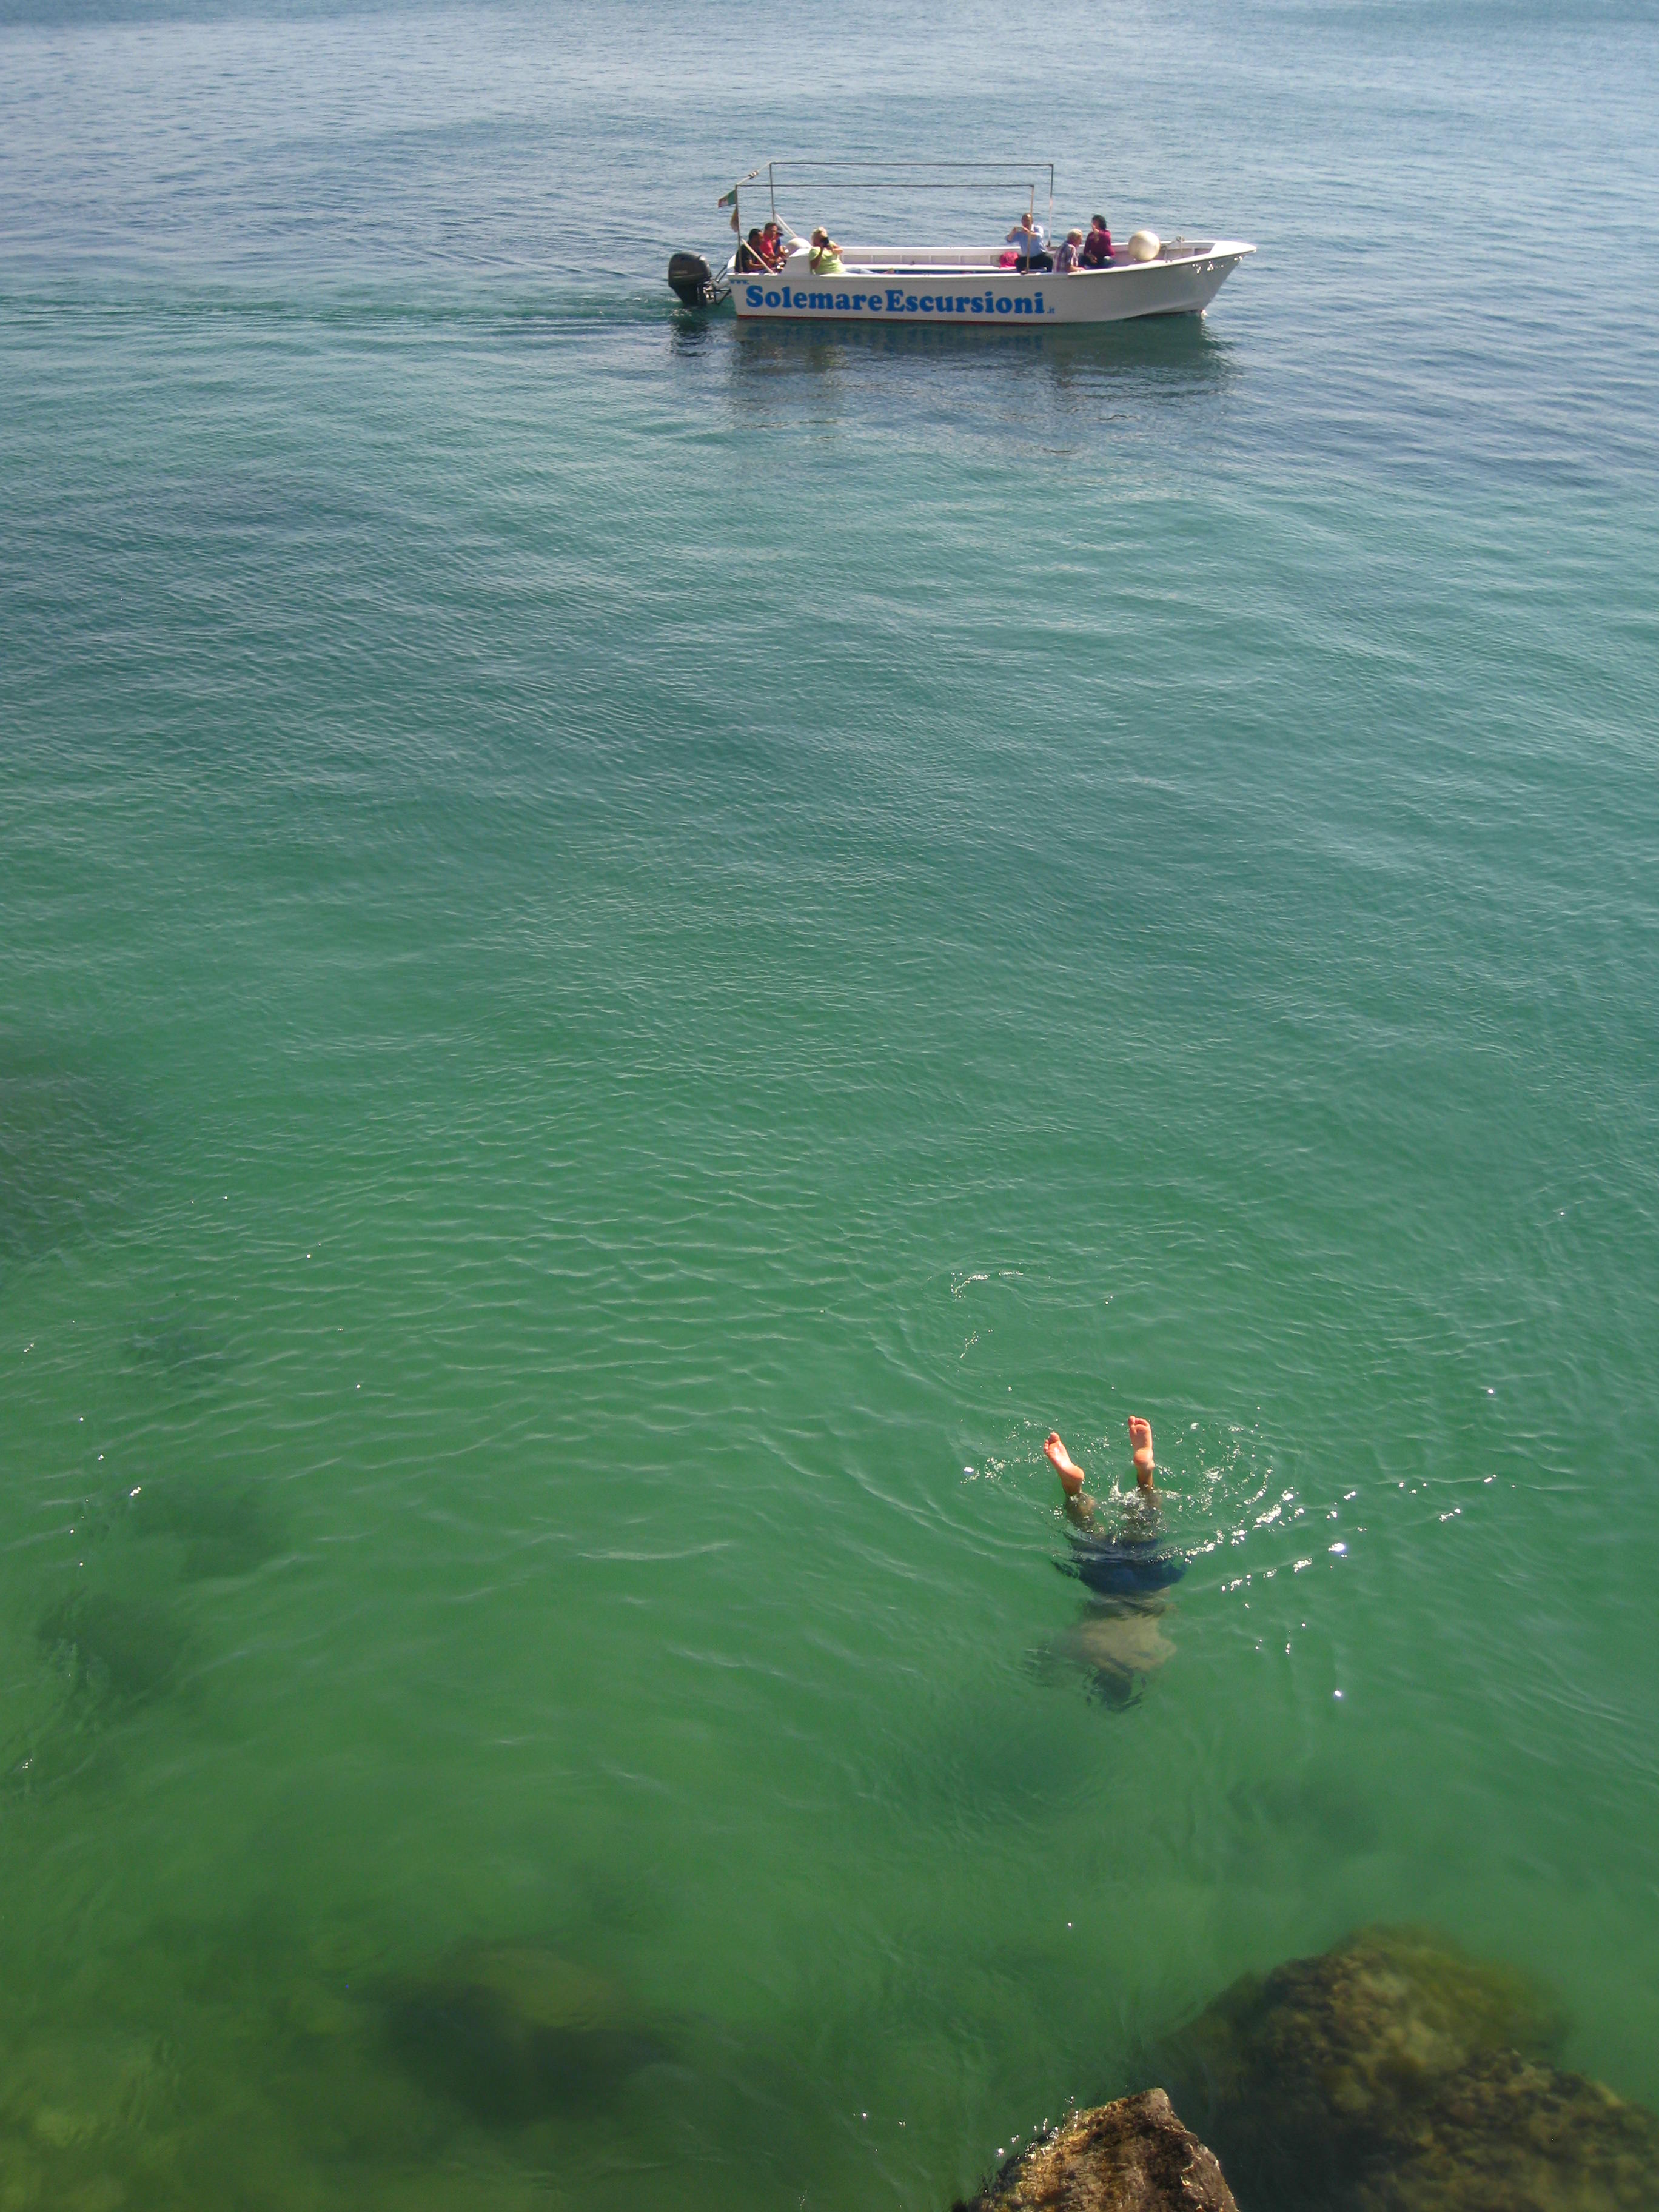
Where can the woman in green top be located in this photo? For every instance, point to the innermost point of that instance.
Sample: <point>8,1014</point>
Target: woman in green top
<point>824,259</point>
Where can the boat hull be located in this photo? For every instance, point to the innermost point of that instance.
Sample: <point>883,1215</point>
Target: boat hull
<point>986,297</point>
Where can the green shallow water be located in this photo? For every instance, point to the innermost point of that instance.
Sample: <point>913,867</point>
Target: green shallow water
<point>636,953</point>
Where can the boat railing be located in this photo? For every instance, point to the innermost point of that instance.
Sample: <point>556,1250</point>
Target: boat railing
<point>859,262</point>
<point>968,261</point>
<point>897,260</point>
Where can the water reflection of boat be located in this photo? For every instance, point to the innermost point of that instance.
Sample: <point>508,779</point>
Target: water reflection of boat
<point>962,286</point>
<point>781,364</point>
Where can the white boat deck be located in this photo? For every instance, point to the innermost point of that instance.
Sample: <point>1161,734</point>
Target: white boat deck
<point>897,260</point>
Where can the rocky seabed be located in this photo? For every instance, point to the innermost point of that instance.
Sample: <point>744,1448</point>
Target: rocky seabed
<point>1390,2074</point>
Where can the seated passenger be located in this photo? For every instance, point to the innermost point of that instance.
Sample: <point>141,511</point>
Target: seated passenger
<point>751,254</point>
<point>824,258</point>
<point>1070,254</point>
<point>1026,238</point>
<point>1098,246</point>
<point>772,247</point>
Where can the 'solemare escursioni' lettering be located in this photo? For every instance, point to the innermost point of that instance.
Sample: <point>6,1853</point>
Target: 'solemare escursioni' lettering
<point>895,302</point>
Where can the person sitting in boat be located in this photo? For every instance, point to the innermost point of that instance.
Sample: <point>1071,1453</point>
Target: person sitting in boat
<point>824,257</point>
<point>1098,246</point>
<point>772,247</point>
<point>1071,254</point>
<point>1029,252</point>
<point>751,254</point>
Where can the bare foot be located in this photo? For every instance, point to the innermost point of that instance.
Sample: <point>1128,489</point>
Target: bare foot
<point>1140,1436</point>
<point>1070,1473</point>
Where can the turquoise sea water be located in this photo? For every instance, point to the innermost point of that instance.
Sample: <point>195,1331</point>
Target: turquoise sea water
<point>635,953</point>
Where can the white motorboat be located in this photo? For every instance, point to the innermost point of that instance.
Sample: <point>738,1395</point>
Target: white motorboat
<point>980,285</point>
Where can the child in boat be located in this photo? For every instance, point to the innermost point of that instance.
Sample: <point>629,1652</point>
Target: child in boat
<point>1098,246</point>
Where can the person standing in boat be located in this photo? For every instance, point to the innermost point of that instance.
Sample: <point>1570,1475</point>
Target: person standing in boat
<point>1027,241</point>
<point>1098,246</point>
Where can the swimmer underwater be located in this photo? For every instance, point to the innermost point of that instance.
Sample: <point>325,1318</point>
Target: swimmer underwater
<point>1133,1557</point>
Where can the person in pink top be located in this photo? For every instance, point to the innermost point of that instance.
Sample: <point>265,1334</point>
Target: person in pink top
<point>1098,246</point>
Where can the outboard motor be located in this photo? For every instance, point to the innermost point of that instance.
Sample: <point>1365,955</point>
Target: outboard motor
<point>692,278</point>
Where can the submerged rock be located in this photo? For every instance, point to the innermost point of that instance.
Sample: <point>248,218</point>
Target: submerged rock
<point>69,1751</point>
<point>66,1145</point>
<point>64,2092</point>
<point>1509,2133</point>
<point>515,2033</point>
<point>1130,2156</point>
<point>119,1652</point>
<point>1393,2074</point>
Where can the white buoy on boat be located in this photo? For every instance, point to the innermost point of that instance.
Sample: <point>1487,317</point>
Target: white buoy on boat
<point>1145,245</point>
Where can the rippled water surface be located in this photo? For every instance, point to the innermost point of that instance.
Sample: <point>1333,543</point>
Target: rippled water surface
<point>634,954</point>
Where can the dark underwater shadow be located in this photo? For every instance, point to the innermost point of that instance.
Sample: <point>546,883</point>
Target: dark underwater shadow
<point>169,1347</point>
<point>515,2034</point>
<point>1003,1758</point>
<point>104,1657</point>
<point>225,1526</point>
<point>495,2074</point>
<point>694,334</point>
<point>67,1146</point>
<point>1318,1813</point>
<point>70,1752</point>
<point>115,1655</point>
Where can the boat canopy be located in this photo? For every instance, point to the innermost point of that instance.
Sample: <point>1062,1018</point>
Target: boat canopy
<point>851,181</point>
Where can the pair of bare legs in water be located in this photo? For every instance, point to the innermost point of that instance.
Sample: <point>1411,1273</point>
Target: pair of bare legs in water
<point>1072,1477</point>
